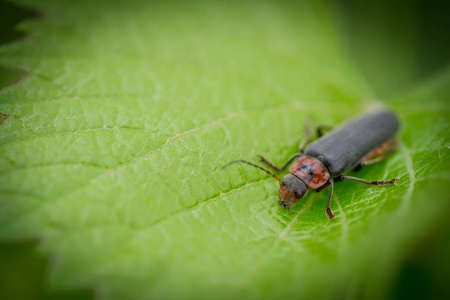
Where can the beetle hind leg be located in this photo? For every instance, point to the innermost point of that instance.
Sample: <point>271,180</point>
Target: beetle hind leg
<point>382,156</point>
<point>377,155</point>
<point>372,182</point>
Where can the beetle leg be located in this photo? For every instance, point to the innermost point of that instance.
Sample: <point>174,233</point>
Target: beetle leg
<point>309,135</point>
<point>382,156</point>
<point>328,210</point>
<point>320,129</point>
<point>275,168</point>
<point>371,158</point>
<point>373,183</point>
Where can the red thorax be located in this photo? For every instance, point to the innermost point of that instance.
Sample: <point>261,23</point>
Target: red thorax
<point>311,171</point>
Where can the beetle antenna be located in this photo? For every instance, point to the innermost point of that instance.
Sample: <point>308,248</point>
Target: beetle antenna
<point>256,166</point>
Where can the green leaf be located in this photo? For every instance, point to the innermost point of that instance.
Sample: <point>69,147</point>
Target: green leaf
<point>113,148</point>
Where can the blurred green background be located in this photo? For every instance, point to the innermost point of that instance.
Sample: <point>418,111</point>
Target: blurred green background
<point>395,44</point>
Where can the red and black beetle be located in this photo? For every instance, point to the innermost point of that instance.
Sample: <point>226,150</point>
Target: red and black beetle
<point>360,142</point>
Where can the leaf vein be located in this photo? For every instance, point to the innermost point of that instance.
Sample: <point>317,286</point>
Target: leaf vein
<point>282,236</point>
<point>406,200</point>
<point>202,203</point>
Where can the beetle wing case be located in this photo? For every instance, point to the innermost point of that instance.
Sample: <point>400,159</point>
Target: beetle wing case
<point>343,148</point>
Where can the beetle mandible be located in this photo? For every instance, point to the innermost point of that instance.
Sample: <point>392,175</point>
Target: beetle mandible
<point>363,141</point>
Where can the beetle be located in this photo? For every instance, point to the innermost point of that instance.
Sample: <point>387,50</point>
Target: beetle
<point>359,142</point>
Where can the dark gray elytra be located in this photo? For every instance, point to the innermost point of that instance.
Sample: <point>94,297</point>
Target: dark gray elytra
<point>344,147</point>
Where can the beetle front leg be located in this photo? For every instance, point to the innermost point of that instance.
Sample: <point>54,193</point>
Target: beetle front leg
<point>335,180</point>
<point>328,210</point>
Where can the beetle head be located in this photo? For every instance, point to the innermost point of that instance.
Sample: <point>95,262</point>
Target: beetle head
<point>292,190</point>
